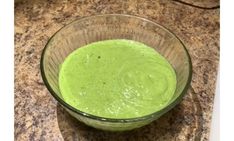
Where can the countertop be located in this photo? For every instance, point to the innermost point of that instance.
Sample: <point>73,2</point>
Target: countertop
<point>39,117</point>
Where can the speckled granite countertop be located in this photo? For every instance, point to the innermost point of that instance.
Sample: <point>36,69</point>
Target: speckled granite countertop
<point>38,116</point>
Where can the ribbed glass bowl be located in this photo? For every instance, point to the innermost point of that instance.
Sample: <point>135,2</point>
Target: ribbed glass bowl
<point>114,26</point>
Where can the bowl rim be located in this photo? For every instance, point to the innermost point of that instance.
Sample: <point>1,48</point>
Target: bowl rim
<point>124,120</point>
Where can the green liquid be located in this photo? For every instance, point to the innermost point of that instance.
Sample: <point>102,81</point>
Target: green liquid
<point>117,79</point>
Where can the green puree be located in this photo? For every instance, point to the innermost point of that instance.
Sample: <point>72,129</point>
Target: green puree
<point>117,79</point>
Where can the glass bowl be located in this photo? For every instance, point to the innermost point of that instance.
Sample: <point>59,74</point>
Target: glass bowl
<point>114,26</point>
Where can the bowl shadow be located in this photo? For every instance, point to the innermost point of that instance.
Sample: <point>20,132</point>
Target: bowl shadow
<point>168,126</point>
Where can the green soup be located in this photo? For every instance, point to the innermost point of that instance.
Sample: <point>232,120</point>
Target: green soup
<point>117,79</point>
